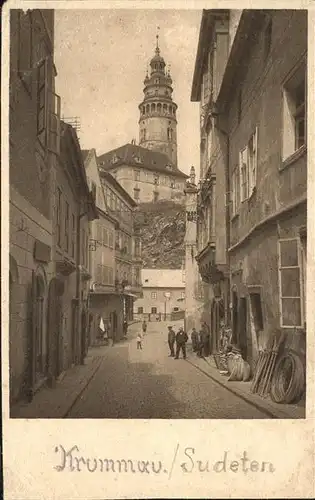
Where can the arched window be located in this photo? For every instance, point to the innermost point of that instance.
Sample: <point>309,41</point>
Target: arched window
<point>173,111</point>
<point>168,133</point>
<point>144,134</point>
<point>170,110</point>
<point>159,107</point>
<point>164,108</point>
<point>153,108</point>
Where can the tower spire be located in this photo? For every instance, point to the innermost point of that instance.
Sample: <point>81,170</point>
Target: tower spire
<point>157,49</point>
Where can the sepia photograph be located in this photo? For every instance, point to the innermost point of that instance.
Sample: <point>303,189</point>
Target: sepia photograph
<point>157,213</point>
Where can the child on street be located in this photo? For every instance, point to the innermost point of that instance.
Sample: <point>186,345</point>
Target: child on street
<point>139,340</point>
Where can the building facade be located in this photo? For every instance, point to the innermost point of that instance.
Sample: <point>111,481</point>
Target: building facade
<point>48,190</point>
<point>163,295</point>
<point>258,115</point>
<point>74,209</point>
<point>105,302</point>
<point>127,244</point>
<point>212,257</point>
<point>33,149</point>
<point>194,313</point>
<point>146,175</point>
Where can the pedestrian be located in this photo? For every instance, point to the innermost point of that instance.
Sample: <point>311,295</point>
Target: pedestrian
<point>171,341</point>
<point>125,328</point>
<point>194,339</point>
<point>205,334</point>
<point>181,339</point>
<point>144,327</point>
<point>200,346</point>
<point>139,340</point>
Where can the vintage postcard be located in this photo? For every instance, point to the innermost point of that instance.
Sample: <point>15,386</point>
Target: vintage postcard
<point>157,262</point>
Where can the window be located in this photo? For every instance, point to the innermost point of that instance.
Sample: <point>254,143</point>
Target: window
<point>182,295</point>
<point>73,236</point>
<point>244,174</point>
<point>83,252</point>
<point>140,310</point>
<point>136,175</point>
<point>290,282</point>
<point>110,239</point>
<point>155,196</point>
<point>153,295</point>
<point>136,193</point>
<point>105,237</point>
<point>137,247</point>
<point>153,310</point>
<point>58,217</point>
<point>294,113</point>
<point>235,189</point>
<point>25,48</point>
<point>67,215</point>
<point>156,179</point>
<point>137,276</point>
<point>252,162</point>
<point>42,97</point>
<point>93,189</point>
<point>256,307</point>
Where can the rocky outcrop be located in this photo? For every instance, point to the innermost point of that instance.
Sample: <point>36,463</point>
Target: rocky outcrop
<point>161,226</point>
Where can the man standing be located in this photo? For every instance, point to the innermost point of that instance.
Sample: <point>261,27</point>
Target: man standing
<point>181,339</point>
<point>205,335</point>
<point>194,339</point>
<point>125,327</point>
<point>171,341</point>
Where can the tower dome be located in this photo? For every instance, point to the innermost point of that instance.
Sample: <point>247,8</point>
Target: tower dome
<point>157,122</point>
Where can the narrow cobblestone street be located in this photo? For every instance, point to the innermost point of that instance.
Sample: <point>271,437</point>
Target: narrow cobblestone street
<point>131,383</point>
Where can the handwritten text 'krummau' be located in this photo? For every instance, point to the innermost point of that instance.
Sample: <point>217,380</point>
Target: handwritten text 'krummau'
<point>71,461</point>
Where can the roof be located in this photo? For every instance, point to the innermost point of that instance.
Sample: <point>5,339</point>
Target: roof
<point>162,278</point>
<point>111,180</point>
<point>150,160</point>
<point>73,152</point>
<point>85,153</point>
<point>205,34</point>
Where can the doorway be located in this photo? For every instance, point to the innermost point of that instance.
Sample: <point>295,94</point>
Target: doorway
<point>234,317</point>
<point>242,328</point>
<point>83,336</point>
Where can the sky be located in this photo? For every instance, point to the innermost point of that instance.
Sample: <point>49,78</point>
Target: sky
<point>101,57</point>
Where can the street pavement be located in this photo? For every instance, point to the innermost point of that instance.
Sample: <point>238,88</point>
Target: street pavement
<point>131,383</point>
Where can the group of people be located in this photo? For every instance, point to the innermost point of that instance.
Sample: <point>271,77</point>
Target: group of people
<point>180,338</point>
<point>201,341</point>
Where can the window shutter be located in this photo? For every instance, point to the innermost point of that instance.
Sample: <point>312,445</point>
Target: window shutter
<point>256,154</point>
<point>42,97</point>
<point>54,123</point>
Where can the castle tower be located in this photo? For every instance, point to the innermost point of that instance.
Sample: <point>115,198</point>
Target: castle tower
<point>157,123</point>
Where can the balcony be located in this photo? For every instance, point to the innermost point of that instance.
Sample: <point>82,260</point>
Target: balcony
<point>209,270</point>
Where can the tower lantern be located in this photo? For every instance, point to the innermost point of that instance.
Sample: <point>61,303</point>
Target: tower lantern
<point>157,122</point>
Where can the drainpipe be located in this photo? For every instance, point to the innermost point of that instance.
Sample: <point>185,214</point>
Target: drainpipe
<point>78,281</point>
<point>227,221</point>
